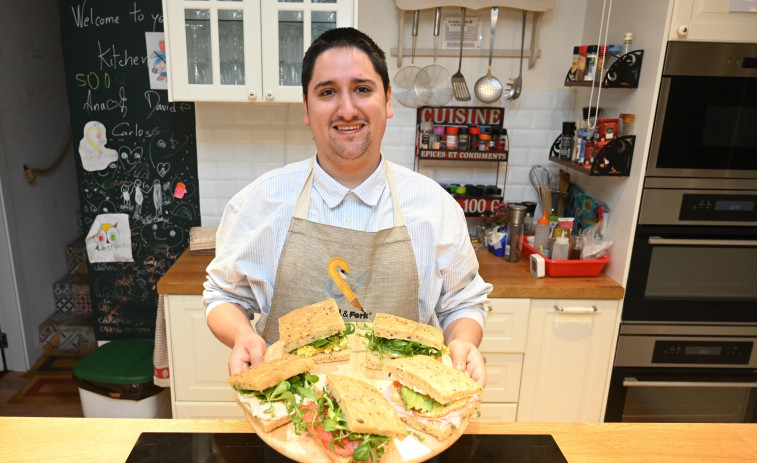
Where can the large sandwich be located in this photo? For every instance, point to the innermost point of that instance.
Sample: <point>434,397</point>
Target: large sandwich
<point>316,331</point>
<point>352,421</point>
<point>272,391</point>
<point>391,337</point>
<point>430,396</point>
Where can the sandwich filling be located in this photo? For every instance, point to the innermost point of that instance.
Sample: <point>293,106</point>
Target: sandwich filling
<point>325,420</point>
<point>393,348</point>
<point>334,343</point>
<point>281,399</point>
<point>408,402</point>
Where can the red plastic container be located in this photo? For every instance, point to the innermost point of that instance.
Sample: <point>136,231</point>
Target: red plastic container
<point>567,268</point>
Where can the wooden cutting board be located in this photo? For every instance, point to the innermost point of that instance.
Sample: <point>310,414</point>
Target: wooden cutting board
<point>304,449</point>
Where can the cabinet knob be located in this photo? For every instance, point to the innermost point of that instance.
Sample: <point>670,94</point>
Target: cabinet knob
<point>253,95</point>
<point>269,95</point>
<point>682,30</point>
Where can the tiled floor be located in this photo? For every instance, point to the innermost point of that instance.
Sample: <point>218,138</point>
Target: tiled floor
<point>11,382</point>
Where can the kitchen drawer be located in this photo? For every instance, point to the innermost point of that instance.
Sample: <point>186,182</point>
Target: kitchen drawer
<point>506,325</point>
<point>502,377</point>
<point>208,410</point>
<point>497,412</point>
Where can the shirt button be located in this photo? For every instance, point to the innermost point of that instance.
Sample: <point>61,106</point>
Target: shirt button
<point>349,219</point>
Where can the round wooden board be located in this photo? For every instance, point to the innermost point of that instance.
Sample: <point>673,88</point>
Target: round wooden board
<point>304,449</point>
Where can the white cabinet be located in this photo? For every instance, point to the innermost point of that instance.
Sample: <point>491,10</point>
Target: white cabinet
<point>568,360</point>
<point>503,346</point>
<point>244,50</point>
<point>711,21</point>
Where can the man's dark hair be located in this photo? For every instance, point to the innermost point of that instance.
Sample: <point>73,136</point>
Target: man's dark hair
<point>343,37</point>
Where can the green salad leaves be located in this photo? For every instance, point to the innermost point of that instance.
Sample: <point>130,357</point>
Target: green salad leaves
<point>419,401</point>
<point>395,347</point>
<point>337,339</point>
<point>287,391</point>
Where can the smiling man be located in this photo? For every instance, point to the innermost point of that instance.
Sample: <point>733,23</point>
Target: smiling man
<point>404,238</point>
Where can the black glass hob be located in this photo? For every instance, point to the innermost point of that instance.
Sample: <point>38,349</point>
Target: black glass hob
<point>249,448</point>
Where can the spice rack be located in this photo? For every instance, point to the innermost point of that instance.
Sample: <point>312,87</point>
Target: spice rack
<point>622,73</point>
<point>613,160</point>
<point>474,206</point>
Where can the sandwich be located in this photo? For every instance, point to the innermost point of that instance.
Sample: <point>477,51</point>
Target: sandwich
<point>392,337</point>
<point>430,396</point>
<point>352,421</point>
<point>316,331</point>
<point>270,392</point>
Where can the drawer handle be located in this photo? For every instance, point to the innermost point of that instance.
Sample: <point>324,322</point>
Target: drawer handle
<point>576,310</point>
<point>488,307</point>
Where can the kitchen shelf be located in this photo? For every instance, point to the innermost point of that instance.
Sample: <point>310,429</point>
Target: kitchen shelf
<point>622,73</point>
<point>613,160</point>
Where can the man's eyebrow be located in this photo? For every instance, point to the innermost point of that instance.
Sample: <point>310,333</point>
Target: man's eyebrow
<point>327,83</point>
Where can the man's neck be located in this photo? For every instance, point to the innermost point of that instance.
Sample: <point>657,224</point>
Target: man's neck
<point>350,174</point>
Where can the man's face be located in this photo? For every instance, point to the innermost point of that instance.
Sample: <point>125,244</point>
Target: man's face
<point>346,108</point>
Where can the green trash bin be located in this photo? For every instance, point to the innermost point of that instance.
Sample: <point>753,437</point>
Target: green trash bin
<point>116,381</point>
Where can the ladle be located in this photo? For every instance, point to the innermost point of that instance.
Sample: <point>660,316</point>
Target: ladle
<point>488,88</point>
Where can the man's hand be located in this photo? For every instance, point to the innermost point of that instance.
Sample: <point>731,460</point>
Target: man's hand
<point>466,357</point>
<point>248,350</point>
<point>231,326</point>
<point>463,336</point>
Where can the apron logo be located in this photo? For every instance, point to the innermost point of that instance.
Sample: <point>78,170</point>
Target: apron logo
<point>338,287</point>
<point>356,315</point>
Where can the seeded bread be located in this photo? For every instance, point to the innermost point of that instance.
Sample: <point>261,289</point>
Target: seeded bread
<point>269,374</point>
<point>435,379</point>
<point>307,324</point>
<point>394,327</point>
<point>366,410</point>
<point>441,429</point>
<point>264,424</point>
<point>326,357</point>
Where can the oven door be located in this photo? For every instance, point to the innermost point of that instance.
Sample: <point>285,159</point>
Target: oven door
<point>686,395</point>
<point>692,274</point>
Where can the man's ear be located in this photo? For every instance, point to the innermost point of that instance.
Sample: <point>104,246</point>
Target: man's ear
<point>306,121</point>
<point>389,110</point>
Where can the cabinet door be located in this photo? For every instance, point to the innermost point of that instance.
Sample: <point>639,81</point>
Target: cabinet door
<point>711,21</point>
<point>506,325</point>
<point>288,28</point>
<point>214,50</point>
<point>209,410</point>
<point>496,413</point>
<point>568,360</point>
<point>198,361</point>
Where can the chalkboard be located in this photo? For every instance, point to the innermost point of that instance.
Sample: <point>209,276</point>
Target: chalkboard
<point>136,152</point>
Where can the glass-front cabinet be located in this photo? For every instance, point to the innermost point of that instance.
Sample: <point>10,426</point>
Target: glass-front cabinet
<point>244,50</point>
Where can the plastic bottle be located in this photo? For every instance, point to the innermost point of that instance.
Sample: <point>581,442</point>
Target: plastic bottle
<point>573,73</point>
<point>541,235</point>
<point>560,248</point>
<point>514,240</point>
<point>591,63</point>
<point>627,39</point>
<point>451,143</point>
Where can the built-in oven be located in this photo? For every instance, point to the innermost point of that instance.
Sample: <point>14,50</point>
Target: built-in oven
<point>706,113</point>
<point>684,373</point>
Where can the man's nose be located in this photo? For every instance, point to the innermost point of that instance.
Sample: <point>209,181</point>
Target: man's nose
<point>347,108</point>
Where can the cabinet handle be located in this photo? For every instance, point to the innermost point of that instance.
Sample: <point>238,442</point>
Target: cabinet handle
<point>576,310</point>
<point>489,307</point>
<point>269,95</point>
<point>253,95</point>
<point>682,30</point>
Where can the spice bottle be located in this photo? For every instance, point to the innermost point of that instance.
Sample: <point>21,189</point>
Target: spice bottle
<point>591,63</point>
<point>566,141</point>
<point>581,62</point>
<point>576,245</point>
<point>573,73</point>
<point>463,138</point>
<point>484,141</point>
<point>451,137</point>
<point>514,240</point>
<point>427,129</point>
<point>438,141</point>
<point>601,57</point>
<point>473,134</point>
<point>495,131</point>
<point>501,142</point>
<point>627,39</point>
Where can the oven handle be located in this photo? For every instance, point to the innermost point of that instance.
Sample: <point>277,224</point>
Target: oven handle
<point>633,382</point>
<point>694,242</point>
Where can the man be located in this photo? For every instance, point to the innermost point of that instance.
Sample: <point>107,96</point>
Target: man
<point>403,237</point>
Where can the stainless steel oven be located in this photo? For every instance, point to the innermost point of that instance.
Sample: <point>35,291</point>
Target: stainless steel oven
<point>706,112</point>
<point>684,373</point>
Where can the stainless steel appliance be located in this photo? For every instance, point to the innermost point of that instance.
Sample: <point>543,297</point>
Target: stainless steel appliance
<point>684,373</point>
<point>706,112</point>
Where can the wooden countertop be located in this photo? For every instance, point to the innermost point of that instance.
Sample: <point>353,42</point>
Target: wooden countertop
<point>187,276</point>
<point>104,440</point>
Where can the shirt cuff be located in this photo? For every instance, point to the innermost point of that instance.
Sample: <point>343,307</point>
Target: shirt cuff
<point>477,314</point>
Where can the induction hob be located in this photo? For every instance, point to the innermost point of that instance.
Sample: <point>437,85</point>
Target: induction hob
<point>249,448</point>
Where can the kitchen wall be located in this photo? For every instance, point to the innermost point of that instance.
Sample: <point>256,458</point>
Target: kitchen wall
<point>40,217</point>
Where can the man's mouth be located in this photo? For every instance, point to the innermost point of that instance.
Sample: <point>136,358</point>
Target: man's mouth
<point>348,127</point>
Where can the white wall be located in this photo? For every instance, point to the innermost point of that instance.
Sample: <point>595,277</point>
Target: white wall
<point>34,125</point>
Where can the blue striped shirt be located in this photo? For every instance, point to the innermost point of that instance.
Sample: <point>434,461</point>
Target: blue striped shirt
<point>255,222</point>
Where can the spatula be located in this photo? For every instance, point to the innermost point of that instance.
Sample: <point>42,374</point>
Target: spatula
<point>459,87</point>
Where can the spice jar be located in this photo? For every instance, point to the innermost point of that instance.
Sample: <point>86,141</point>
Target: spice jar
<point>501,142</point>
<point>451,137</point>
<point>484,141</point>
<point>427,129</point>
<point>463,138</point>
<point>591,62</point>
<point>438,140</point>
<point>473,132</point>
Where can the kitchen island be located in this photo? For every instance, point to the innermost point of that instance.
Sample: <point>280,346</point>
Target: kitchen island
<point>111,439</point>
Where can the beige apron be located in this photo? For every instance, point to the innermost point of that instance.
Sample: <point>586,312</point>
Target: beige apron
<point>382,273</point>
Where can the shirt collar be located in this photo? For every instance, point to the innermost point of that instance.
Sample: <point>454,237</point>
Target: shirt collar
<point>333,192</point>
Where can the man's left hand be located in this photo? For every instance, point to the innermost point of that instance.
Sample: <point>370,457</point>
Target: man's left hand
<point>466,357</point>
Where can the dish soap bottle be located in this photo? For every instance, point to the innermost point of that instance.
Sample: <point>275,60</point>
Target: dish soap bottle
<point>541,235</point>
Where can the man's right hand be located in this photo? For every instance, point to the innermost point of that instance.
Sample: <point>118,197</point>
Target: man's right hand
<point>248,350</point>
<point>230,324</point>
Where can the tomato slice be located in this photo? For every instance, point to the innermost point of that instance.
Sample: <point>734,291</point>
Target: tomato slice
<point>348,447</point>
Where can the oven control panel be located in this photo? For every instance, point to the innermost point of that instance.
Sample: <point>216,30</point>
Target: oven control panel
<point>719,207</point>
<point>702,352</point>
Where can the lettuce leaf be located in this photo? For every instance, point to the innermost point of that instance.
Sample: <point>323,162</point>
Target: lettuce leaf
<point>419,401</point>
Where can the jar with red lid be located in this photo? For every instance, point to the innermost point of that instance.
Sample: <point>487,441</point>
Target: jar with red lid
<point>473,134</point>
<point>484,142</point>
<point>452,137</point>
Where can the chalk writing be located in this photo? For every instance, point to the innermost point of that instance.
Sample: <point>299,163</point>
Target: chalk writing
<point>83,19</point>
<point>109,104</point>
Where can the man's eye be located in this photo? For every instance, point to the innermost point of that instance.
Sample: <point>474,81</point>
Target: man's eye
<point>363,90</point>
<point>327,92</point>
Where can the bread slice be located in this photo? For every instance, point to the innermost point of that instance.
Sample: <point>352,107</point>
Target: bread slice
<point>394,327</point>
<point>432,377</point>
<point>261,377</point>
<point>307,324</point>
<point>367,411</point>
<point>265,425</point>
<point>442,429</point>
<point>374,362</point>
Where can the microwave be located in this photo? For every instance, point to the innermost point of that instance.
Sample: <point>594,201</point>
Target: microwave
<point>706,112</point>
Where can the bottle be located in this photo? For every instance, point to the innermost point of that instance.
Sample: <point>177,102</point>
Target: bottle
<point>484,141</point>
<point>427,128</point>
<point>581,62</point>
<point>591,63</point>
<point>495,132</point>
<point>560,248</point>
<point>452,137</point>
<point>514,240</point>
<point>437,141</point>
<point>573,73</point>
<point>501,142</point>
<point>601,59</point>
<point>627,39</point>
<point>463,138</point>
<point>541,235</point>
<point>566,141</point>
<point>576,244</point>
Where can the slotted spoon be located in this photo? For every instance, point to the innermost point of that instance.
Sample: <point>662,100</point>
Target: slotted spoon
<point>488,88</point>
<point>459,87</point>
<point>516,84</point>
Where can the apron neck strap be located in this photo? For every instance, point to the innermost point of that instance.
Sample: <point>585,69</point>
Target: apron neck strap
<point>302,205</point>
